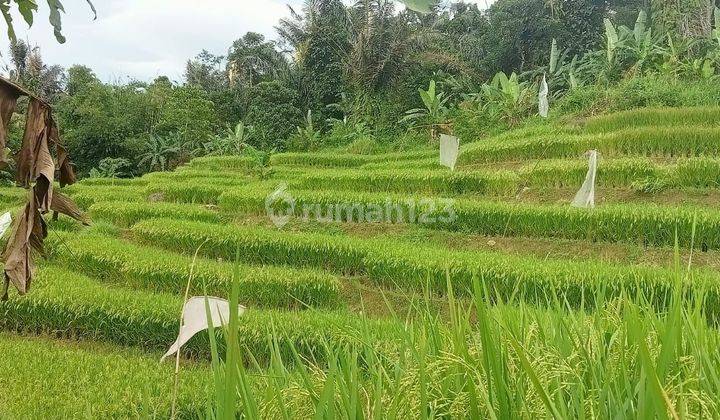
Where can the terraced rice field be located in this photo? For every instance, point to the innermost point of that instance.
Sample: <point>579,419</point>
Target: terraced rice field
<point>345,270</point>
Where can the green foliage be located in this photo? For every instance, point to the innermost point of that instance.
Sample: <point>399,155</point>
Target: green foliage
<point>159,125</point>
<point>260,161</point>
<point>504,100</point>
<point>233,143</point>
<point>274,113</point>
<point>433,115</point>
<point>252,60</point>
<point>28,8</point>
<point>716,30</point>
<point>307,137</point>
<point>101,121</point>
<point>158,151</point>
<point>520,31</point>
<point>639,92</point>
<point>112,168</point>
<point>184,112</point>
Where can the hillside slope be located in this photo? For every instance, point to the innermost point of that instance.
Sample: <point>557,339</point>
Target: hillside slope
<point>336,270</point>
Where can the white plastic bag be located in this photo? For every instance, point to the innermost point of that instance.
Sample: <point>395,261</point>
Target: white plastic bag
<point>585,197</point>
<point>543,105</point>
<point>449,150</point>
<point>194,319</point>
<point>5,222</point>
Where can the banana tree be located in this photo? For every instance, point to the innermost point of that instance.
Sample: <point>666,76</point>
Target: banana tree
<point>640,44</point>
<point>627,49</point>
<point>561,74</point>
<point>435,113</point>
<point>506,98</point>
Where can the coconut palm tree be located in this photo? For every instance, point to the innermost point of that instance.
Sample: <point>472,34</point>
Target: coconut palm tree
<point>251,60</point>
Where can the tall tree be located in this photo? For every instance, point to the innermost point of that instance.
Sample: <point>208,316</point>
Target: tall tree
<point>318,37</point>
<point>29,70</point>
<point>687,18</point>
<point>521,31</point>
<point>252,60</point>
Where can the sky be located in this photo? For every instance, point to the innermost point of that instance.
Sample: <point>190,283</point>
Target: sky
<point>143,39</point>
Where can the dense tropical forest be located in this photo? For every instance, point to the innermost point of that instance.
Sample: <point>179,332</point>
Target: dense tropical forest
<point>347,76</point>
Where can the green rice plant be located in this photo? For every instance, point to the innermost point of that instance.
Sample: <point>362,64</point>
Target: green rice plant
<point>653,117</point>
<point>222,163</point>
<point>12,196</point>
<point>85,197</point>
<point>203,192</point>
<point>187,173</point>
<point>127,213</point>
<point>426,163</point>
<point>560,173</point>
<point>192,191</point>
<point>319,159</point>
<point>346,160</point>
<point>700,172</point>
<point>651,185</point>
<point>126,264</point>
<point>412,267</point>
<point>67,304</point>
<point>106,381</point>
<point>643,174</point>
<point>510,360</point>
<point>112,181</point>
<point>489,183</point>
<point>647,141</point>
<point>254,245</point>
<point>649,224</point>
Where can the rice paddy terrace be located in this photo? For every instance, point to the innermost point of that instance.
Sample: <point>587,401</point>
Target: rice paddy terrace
<point>362,237</point>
